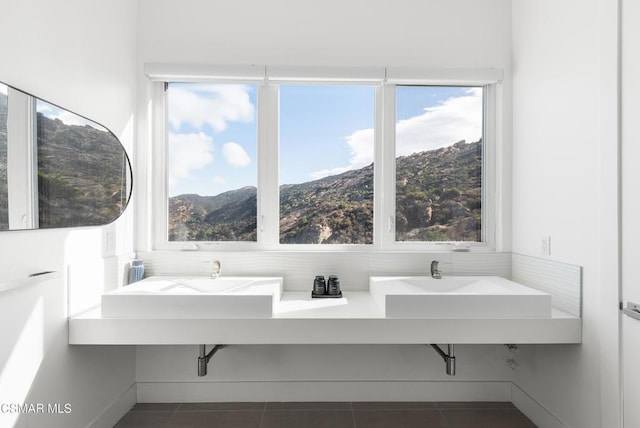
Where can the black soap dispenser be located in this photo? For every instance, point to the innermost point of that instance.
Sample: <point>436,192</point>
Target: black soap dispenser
<point>319,286</point>
<point>333,286</point>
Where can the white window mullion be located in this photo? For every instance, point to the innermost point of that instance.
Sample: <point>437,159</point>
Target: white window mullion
<point>159,213</point>
<point>491,194</point>
<point>268,180</point>
<point>22,161</point>
<point>387,184</point>
<point>379,168</point>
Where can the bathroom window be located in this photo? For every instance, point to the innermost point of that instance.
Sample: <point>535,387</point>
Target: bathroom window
<point>211,162</point>
<point>326,149</point>
<point>438,163</point>
<point>269,161</point>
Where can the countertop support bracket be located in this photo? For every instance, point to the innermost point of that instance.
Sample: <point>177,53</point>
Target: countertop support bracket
<point>203,359</point>
<point>448,357</point>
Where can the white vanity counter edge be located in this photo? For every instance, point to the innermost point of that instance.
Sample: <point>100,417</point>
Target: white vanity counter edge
<point>354,319</point>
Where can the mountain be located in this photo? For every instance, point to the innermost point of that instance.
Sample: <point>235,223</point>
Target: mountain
<point>229,216</point>
<point>438,198</point>
<point>439,194</point>
<point>334,210</point>
<point>309,211</point>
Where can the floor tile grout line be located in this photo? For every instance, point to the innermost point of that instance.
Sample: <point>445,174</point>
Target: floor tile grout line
<point>264,412</point>
<point>217,411</point>
<point>444,418</point>
<point>173,414</point>
<point>353,415</point>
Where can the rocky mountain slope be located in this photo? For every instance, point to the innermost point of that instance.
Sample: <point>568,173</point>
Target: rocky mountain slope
<point>438,199</point>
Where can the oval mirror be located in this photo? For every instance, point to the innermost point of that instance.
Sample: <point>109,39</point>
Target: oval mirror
<point>57,168</point>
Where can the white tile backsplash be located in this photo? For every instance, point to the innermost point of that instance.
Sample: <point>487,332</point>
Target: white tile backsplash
<point>498,264</point>
<point>351,268</point>
<point>561,280</point>
<point>299,268</point>
<point>381,264</point>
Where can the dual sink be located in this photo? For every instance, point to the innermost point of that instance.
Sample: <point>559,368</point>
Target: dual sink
<point>452,297</point>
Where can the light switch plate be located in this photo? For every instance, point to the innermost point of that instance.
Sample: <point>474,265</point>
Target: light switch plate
<point>545,245</point>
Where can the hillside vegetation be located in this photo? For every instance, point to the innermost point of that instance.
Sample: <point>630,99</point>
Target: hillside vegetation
<point>438,199</point>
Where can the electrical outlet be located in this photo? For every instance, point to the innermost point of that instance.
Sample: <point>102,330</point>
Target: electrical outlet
<point>110,243</point>
<point>545,245</point>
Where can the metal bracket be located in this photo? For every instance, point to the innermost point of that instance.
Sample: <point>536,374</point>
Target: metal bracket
<point>204,358</point>
<point>632,310</point>
<point>448,357</point>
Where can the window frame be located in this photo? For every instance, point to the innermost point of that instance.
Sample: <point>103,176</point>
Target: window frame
<point>377,108</point>
<point>268,80</point>
<point>22,169</point>
<point>488,181</point>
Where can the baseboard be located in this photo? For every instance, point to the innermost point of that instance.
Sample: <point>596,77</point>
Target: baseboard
<point>535,411</point>
<point>116,410</point>
<point>176,392</point>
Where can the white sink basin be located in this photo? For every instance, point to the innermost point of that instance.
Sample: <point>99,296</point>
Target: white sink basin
<point>458,297</point>
<point>194,297</point>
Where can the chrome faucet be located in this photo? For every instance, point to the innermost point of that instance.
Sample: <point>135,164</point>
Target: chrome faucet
<point>435,272</point>
<point>217,269</point>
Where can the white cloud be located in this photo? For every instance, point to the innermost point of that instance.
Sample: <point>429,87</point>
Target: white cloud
<point>68,118</point>
<point>218,179</point>
<point>440,126</point>
<point>235,155</point>
<point>44,108</point>
<point>189,152</point>
<point>317,175</point>
<point>360,150</point>
<point>215,105</point>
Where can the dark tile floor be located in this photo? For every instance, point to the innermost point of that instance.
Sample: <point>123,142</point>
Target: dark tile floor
<point>326,415</point>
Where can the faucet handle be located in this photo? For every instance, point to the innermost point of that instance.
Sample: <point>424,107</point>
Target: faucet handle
<point>217,269</point>
<point>435,272</point>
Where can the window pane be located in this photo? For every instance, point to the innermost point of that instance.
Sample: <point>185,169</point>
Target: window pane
<point>4,191</point>
<point>82,170</point>
<point>326,164</point>
<point>439,163</point>
<point>212,162</point>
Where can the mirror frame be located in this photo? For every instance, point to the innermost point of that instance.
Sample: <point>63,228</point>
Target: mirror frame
<point>33,141</point>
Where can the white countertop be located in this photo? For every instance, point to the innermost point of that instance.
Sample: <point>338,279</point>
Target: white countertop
<point>299,319</point>
<point>353,304</point>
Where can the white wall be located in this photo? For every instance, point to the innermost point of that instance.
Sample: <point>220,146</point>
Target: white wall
<point>435,33</point>
<point>432,33</point>
<point>88,66</point>
<point>564,166</point>
<point>81,55</point>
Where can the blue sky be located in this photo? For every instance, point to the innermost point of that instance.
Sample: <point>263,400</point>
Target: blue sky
<point>315,122</point>
<point>412,100</point>
<point>324,130</point>
<point>68,118</point>
<point>212,138</point>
